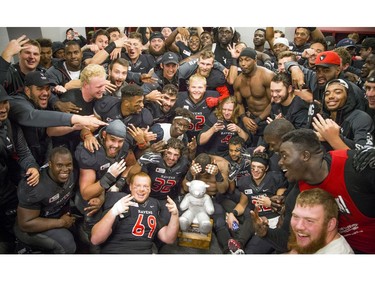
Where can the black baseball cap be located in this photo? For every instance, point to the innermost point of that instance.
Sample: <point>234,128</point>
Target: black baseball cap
<point>169,57</point>
<point>37,78</point>
<point>3,94</point>
<point>156,34</point>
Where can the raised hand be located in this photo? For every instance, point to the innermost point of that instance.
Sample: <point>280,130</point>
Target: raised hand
<point>150,157</point>
<point>363,158</point>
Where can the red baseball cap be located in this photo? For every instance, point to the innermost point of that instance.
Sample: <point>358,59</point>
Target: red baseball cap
<point>327,59</point>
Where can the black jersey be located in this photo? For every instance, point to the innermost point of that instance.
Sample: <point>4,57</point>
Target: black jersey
<point>135,232</point>
<point>218,143</point>
<point>109,109</point>
<point>268,187</point>
<point>51,198</point>
<point>165,180</point>
<point>200,110</point>
<point>144,63</point>
<point>159,116</point>
<point>98,161</point>
<point>215,79</point>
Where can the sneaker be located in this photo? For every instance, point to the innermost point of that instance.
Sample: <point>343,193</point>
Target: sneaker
<point>235,247</point>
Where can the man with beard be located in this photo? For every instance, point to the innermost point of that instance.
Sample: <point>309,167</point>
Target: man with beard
<point>328,67</point>
<point>164,112</point>
<point>44,217</point>
<point>252,91</point>
<point>157,47</point>
<point>100,170</point>
<point>314,225</point>
<point>225,36</point>
<point>132,222</point>
<point>117,73</point>
<point>303,161</point>
<point>166,171</point>
<point>29,109</point>
<point>285,104</point>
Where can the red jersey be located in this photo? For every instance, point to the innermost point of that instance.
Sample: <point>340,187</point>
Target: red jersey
<point>358,229</point>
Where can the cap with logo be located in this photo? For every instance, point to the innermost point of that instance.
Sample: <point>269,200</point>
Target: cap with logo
<point>170,57</point>
<point>3,94</point>
<point>38,79</point>
<point>346,42</point>
<point>327,59</point>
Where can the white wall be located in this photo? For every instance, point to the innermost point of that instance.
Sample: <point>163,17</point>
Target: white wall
<point>58,33</point>
<point>247,34</point>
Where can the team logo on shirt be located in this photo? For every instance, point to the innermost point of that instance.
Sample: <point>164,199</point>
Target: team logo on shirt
<point>54,198</point>
<point>248,191</point>
<point>160,170</point>
<point>105,166</point>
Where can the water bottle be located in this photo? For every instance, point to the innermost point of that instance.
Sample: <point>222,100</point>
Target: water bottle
<point>235,226</point>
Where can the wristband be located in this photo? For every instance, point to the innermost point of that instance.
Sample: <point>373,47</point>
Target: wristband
<point>235,213</point>
<point>110,47</point>
<point>121,182</point>
<point>219,177</point>
<point>107,181</point>
<point>234,62</point>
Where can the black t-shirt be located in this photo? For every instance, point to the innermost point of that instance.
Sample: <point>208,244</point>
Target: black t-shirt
<point>51,198</point>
